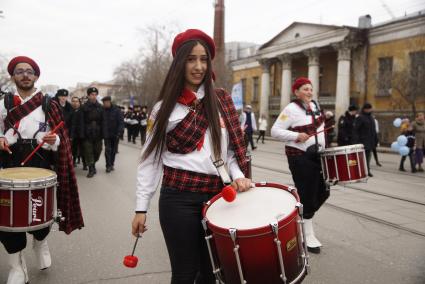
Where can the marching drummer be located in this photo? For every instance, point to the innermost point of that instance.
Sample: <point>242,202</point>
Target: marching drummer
<point>300,125</point>
<point>191,125</point>
<point>26,119</point>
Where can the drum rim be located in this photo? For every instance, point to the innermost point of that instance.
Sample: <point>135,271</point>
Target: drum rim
<point>25,184</point>
<point>27,228</point>
<point>349,149</point>
<point>258,231</point>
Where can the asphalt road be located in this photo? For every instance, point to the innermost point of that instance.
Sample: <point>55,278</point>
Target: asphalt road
<point>357,248</point>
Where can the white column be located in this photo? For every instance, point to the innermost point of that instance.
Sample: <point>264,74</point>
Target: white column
<point>265,87</point>
<point>343,80</point>
<point>313,70</point>
<point>285,89</point>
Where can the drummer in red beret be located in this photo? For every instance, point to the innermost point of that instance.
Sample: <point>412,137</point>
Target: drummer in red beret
<point>179,147</point>
<point>298,126</point>
<point>26,120</point>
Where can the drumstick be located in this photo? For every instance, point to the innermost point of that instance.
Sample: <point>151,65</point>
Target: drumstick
<point>41,144</point>
<point>326,129</point>
<point>7,149</point>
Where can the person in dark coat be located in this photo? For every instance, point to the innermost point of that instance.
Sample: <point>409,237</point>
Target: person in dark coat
<point>143,124</point>
<point>62,98</point>
<point>365,132</point>
<point>113,124</point>
<point>91,123</point>
<point>74,133</point>
<point>330,126</point>
<point>345,126</point>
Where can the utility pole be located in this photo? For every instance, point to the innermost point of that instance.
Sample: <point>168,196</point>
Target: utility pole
<point>219,24</point>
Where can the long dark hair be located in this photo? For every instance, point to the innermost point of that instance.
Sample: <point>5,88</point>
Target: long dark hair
<point>172,89</point>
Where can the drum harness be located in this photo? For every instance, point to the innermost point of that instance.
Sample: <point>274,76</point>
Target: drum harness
<point>10,105</point>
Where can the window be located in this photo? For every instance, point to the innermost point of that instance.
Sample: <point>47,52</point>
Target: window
<point>385,76</point>
<point>243,81</point>
<point>417,74</point>
<point>255,88</point>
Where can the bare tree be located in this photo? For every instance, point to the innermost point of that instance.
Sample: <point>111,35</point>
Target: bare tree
<point>142,77</point>
<point>5,82</point>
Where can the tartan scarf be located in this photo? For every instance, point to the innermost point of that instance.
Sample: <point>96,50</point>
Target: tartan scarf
<point>312,127</point>
<point>189,134</point>
<point>67,193</point>
<point>179,138</point>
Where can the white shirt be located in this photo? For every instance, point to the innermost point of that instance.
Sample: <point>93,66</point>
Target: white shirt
<point>262,124</point>
<point>292,116</point>
<point>28,125</point>
<point>149,171</point>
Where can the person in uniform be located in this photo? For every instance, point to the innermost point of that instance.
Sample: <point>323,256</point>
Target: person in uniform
<point>62,98</point>
<point>113,124</point>
<point>249,125</point>
<point>345,126</point>
<point>297,126</point>
<point>26,119</point>
<point>191,125</point>
<point>143,124</point>
<point>91,123</point>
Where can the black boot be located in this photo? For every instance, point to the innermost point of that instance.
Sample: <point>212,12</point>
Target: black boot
<point>91,172</point>
<point>94,167</point>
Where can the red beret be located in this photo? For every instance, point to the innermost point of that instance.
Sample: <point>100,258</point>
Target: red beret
<point>22,59</point>
<point>299,82</point>
<point>193,34</point>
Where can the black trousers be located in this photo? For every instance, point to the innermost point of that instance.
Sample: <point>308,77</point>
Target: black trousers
<point>14,242</point>
<point>308,178</point>
<point>111,146</point>
<point>411,159</point>
<point>180,215</point>
<point>262,134</point>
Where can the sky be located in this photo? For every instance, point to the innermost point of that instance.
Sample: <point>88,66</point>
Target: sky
<point>85,40</point>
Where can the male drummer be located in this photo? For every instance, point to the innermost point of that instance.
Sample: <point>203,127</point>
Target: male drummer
<point>26,119</point>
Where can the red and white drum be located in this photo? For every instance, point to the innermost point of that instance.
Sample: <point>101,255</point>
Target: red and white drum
<point>344,164</point>
<point>27,199</point>
<point>257,238</point>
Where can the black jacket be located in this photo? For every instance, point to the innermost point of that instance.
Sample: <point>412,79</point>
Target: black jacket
<point>365,131</point>
<point>113,122</point>
<point>91,121</point>
<point>345,129</point>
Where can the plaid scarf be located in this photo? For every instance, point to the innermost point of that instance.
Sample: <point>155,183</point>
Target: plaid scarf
<point>67,194</point>
<point>189,134</point>
<point>312,127</point>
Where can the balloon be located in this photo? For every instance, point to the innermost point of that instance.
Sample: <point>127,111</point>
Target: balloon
<point>394,146</point>
<point>404,150</point>
<point>228,193</point>
<point>402,140</point>
<point>397,122</point>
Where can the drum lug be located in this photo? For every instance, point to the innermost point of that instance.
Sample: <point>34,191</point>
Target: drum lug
<point>232,233</point>
<point>300,207</point>
<point>292,189</point>
<point>216,269</point>
<point>275,228</point>
<point>59,218</point>
<point>262,182</point>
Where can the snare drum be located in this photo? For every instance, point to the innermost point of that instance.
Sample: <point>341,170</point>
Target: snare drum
<point>344,164</point>
<point>27,199</point>
<point>258,238</point>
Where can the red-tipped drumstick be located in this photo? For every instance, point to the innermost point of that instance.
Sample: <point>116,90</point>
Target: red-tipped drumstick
<point>323,130</point>
<point>228,193</point>
<point>131,260</point>
<point>41,144</point>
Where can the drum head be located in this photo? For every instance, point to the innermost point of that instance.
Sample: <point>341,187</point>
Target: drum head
<point>255,208</point>
<point>27,177</point>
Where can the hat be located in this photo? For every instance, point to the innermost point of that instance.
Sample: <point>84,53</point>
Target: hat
<point>193,34</point>
<point>329,113</point>
<point>92,90</point>
<point>22,59</point>
<point>352,107</point>
<point>367,106</point>
<point>248,106</point>
<point>62,93</point>
<point>299,82</point>
<point>106,98</point>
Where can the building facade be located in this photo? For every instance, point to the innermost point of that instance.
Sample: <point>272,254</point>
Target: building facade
<point>346,65</point>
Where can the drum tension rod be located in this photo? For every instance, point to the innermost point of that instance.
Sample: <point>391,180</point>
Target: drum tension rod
<point>304,255</point>
<point>232,233</point>
<point>216,269</point>
<point>275,228</point>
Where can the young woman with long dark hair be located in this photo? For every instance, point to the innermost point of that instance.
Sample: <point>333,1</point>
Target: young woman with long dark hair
<point>191,125</point>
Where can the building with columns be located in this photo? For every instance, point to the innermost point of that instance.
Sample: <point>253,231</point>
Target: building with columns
<point>342,62</point>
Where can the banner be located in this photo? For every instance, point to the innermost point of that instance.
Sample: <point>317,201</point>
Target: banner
<point>237,96</point>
